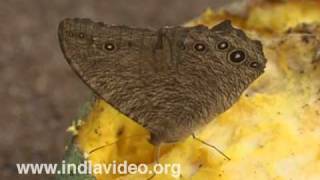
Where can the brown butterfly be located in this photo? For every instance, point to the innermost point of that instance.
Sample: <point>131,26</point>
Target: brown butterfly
<point>172,80</point>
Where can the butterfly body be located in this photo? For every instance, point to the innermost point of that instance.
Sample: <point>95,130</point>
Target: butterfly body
<point>172,80</point>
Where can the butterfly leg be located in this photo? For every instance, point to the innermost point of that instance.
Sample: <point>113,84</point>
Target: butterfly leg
<point>210,145</point>
<point>156,158</point>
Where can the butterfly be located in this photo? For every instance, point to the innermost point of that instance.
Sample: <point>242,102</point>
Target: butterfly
<point>171,80</point>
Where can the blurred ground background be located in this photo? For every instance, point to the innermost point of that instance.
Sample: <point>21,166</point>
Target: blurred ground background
<point>39,93</point>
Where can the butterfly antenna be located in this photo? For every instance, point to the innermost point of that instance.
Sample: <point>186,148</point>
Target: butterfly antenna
<point>210,145</point>
<point>105,145</point>
<point>100,147</point>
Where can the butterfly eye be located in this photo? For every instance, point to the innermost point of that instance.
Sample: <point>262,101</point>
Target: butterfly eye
<point>237,56</point>
<point>199,47</point>
<point>254,64</point>
<point>223,45</point>
<point>109,46</point>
